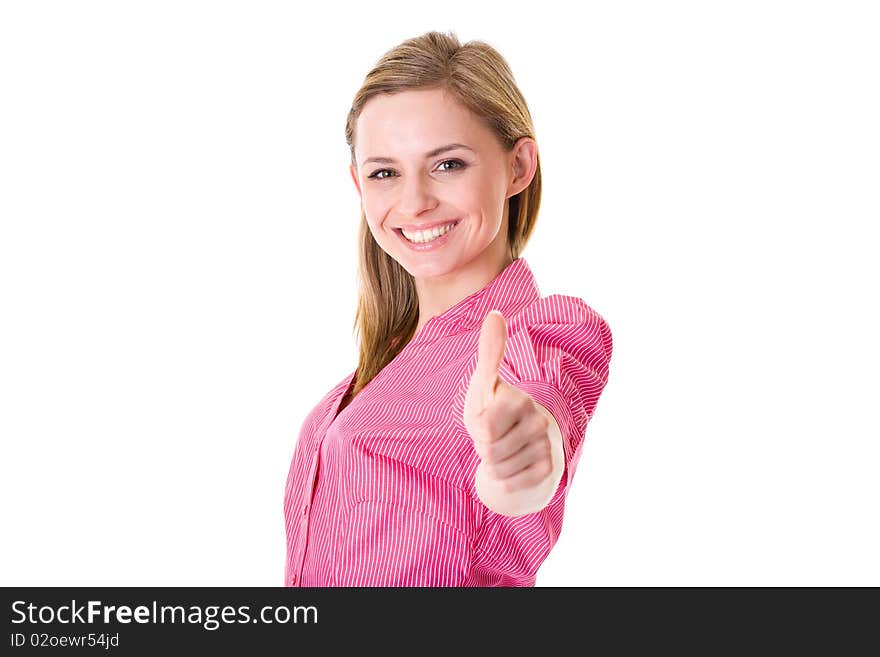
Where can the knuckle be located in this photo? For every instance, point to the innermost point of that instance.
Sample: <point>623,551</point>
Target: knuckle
<point>492,452</point>
<point>545,422</point>
<point>546,468</point>
<point>536,475</point>
<point>539,431</point>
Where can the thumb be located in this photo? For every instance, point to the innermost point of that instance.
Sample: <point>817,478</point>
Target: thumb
<point>493,338</point>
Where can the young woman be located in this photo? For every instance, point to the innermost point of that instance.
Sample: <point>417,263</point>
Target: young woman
<point>444,459</point>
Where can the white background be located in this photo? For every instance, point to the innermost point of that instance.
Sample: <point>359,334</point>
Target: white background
<point>178,277</point>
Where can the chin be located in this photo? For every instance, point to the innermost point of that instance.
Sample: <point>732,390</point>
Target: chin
<point>436,267</point>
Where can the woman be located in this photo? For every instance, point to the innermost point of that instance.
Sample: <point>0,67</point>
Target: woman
<point>445,457</point>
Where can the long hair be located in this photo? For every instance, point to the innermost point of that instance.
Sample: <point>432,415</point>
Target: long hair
<point>479,78</point>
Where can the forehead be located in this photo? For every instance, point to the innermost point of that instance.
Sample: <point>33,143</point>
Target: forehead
<point>407,124</point>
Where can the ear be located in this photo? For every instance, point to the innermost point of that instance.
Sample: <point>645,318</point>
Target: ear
<point>354,177</point>
<point>524,165</point>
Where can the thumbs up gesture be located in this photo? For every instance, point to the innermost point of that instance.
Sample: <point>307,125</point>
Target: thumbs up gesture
<point>518,440</point>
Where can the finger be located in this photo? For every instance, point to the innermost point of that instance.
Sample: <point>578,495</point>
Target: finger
<point>529,454</point>
<point>492,424</point>
<point>517,437</point>
<point>498,449</point>
<point>528,477</point>
<point>493,339</point>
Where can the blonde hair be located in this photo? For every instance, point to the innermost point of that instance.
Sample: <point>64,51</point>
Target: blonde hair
<point>479,78</point>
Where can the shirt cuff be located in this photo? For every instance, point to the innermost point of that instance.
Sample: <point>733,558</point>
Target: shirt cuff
<point>550,398</point>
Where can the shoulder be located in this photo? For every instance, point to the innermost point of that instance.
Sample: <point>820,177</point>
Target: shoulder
<point>564,317</point>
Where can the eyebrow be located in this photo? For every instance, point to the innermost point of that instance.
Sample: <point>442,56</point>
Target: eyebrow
<point>433,153</point>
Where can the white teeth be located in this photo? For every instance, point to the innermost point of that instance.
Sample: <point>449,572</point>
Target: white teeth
<point>427,235</point>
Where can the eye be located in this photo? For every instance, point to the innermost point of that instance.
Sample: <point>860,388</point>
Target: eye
<point>376,175</point>
<point>458,165</point>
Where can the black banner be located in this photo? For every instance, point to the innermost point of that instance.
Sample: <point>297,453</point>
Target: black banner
<point>126,621</point>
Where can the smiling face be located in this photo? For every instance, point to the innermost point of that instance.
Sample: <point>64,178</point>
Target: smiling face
<point>406,181</point>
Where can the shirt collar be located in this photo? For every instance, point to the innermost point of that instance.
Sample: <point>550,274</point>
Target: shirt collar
<point>509,292</point>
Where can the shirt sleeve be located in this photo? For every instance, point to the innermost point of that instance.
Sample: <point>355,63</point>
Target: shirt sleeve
<point>558,351</point>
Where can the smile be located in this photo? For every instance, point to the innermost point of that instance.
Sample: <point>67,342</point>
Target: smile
<point>422,237</point>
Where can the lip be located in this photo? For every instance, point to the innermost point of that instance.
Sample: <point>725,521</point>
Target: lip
<point>412,228</point>
<point>429,246</point>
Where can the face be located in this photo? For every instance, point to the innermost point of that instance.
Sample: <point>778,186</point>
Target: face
<point>407,183</point>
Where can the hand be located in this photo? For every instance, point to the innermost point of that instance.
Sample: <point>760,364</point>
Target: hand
<point>517,439</point>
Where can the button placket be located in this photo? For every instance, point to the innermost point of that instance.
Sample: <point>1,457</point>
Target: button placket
<point>304,525</point>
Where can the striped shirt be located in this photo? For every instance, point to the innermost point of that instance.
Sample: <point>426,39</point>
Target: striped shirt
<point>383,494</point>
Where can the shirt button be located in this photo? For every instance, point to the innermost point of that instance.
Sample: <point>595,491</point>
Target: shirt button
<point>305,509</point>
<point>292,580</point>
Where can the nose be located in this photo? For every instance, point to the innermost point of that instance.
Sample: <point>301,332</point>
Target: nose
<point>416,196</point>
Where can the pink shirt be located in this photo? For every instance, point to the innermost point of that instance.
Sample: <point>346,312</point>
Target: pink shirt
<point>383,494</point>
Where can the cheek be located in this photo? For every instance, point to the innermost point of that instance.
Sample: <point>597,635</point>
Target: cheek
<point>481,195</point>
<point>381,232</point>
<point>376,229</point>
<point>373,215</point>
<point>376,209</point>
